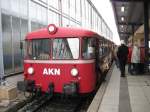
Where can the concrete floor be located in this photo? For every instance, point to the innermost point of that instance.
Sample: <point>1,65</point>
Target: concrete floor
<point>126,94</point>
<point>13,79</point>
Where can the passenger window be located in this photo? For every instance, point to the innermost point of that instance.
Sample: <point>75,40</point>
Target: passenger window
<point>88,48</point>
<point>100,48</point>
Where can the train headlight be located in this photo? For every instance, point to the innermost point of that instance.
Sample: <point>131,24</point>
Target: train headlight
<point>30,70</point>
<point>74,72</point>
<point>52,29</point>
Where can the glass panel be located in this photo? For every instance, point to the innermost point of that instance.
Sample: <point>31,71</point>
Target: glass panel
<point>100,47</point>
<point>16,43</point>
<point>24,30</point>
<point>72,8</point>
<point>53,18</point>
<point>53,3</point>
<point>33,10</point>
<point>65,6</point>
<point>23,7</point>
<point>66,48</point>
<point>88,48</point>
<point>44,15</point>
<point>65,22</point>
<point>83,13</point>
<point>39,13</point>
<point>7,43</point>
<point>15,5</point>
<point>5,4</point>
<point>78,10</point>
<point>34,26</point>
<point>105,48</point>
<point>38,49</point>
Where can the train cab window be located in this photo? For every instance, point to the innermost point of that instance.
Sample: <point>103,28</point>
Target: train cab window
<point>38,49</point>
<point>66,48</point>
<point>88,48</point>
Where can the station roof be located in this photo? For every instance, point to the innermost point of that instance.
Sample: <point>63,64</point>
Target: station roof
<point>129,15</point>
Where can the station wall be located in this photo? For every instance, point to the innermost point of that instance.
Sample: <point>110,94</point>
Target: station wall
<point>21,16</point>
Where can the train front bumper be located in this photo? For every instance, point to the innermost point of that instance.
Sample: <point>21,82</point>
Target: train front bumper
<point>70,88</point>
<point>27,85</point>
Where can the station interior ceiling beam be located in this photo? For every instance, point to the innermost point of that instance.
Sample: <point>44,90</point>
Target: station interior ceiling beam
<point>130,23</point>
<point>126,33</point>
<point>130,0</point>
<point>129,15</point>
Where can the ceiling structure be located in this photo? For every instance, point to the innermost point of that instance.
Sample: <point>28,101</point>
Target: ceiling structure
<point>129,15</point>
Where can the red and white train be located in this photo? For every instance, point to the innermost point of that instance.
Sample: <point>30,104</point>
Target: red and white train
<point>65,60</point>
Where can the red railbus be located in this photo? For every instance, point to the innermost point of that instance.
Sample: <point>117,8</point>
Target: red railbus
<point>64,60</point>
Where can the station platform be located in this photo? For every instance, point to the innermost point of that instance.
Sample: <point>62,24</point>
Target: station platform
<point>12,80</point>
<point>123,94</point>
<point>11,105</point>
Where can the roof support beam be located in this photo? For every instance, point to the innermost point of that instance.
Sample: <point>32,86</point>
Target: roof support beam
<point>127,33</point>
<point>1,50</point>
<point>129,0</point>
<point>146,30</point>
<point>129,23</point>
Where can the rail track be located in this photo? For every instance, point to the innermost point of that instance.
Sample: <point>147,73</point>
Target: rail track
<point>35,103</point>
<point>56,104</point>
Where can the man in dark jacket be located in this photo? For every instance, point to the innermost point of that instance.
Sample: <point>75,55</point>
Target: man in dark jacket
<point>122,54</point>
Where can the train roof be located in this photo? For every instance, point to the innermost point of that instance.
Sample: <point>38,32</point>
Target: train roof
<point>61,32</point>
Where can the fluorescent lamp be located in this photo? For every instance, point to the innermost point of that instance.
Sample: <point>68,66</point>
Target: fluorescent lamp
<point>122,18</point>
<point>122,8</point>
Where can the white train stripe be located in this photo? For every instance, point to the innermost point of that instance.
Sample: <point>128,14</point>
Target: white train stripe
<point>60,61</point>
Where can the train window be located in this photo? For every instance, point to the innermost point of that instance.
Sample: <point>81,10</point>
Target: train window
<point>38,49</point>
<point>66,48</point>
<point>88,48</point>
<point>100,48</point>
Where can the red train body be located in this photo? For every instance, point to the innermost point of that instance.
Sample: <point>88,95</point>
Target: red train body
<point>66,60</point>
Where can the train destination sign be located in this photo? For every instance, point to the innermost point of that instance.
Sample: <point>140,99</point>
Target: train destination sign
<point>51,71</point>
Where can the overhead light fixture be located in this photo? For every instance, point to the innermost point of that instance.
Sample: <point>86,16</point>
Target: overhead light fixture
<point>122,18</point>
<point>122,8</point>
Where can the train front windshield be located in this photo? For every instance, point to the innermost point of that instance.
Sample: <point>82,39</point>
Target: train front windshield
<point>66,48</point>
<point>38,49</point>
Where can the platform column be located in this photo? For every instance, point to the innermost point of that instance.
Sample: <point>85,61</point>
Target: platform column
<point>29,19</point>
<point>146,30</point>
<point>132,26</point>
<point>1,48</point>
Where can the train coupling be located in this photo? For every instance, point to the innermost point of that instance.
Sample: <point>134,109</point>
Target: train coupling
<point>50,90</point>
<point>70,88</point>
<point>26,86</point>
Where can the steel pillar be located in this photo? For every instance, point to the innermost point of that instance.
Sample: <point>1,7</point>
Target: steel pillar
<point>132,33</point>
<point>29,19</point>
<point>1,48</point>
<point>146,30</point>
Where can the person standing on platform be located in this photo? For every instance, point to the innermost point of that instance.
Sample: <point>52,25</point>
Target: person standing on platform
<point>122,54</point>
<point>135,59</point>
